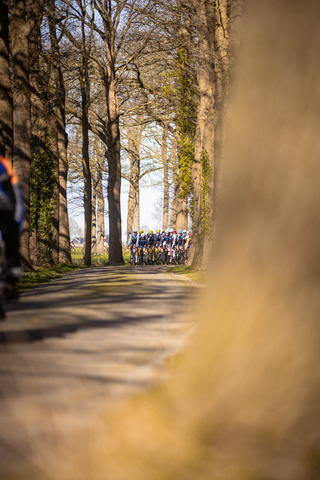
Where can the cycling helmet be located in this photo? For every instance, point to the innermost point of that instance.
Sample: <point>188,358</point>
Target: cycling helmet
<point>180,232</point>
<point>135,231</point>
<point>158,230</point>
<point>175,232</point>
<point>171,231</point>
<point>140,231</point>
<point>167,231</point>
<point>184,231</point>
<point>150,232</point>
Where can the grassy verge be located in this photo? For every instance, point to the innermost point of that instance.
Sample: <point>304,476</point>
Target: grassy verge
<point>44,274</point>
<point>190,272</point>
<point>33,279</point>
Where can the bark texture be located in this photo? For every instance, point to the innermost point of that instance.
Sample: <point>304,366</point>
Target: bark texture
<point>64,236</point>
<point>100,213</point>
<point>134,134</point>
<point>23,20</point>
<point>164,160</point>
<point>6,107</point>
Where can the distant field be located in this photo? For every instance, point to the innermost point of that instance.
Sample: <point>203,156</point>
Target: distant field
<point>77,257</point>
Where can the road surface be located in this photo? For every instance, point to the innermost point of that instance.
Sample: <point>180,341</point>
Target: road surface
<point>70,348</point>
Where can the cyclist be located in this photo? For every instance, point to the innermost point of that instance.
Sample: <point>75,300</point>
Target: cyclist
<point>142,245</point>
<point>158,244</point>
<point>151,243</point>
<point>166,247</point>
<point>139,234</point>
<point>179,239</point>
<point>174,235</point>
<point>132,243</point>
<point>11,216</point>
<point>158,237</point>
<point>178,244</point>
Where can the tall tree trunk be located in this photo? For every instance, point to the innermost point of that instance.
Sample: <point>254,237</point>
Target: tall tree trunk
<point>113,140</point>
<point>134,144</point>
<point>6,107</point>
<point>100,213</point>
<point>179,213</point>
<point>133,217</point>
<point>214,138</point>
<point>136,202</point>
<point>176,189</point>
<point>38,118</point>
<point>164,148</point>
<point>64,236</point>
<point>206,92</point>
<point>53,132</point>
<point>130,210</point>
<point>85,102</point>
<point>86,177</point>
<point>114,167</point>
<point>22,22</point>
<point>94,214</point>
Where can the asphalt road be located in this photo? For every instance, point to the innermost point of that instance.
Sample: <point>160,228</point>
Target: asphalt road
<point>70,348</point>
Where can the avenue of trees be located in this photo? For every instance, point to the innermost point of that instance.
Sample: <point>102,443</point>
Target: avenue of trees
<point>96,91</point>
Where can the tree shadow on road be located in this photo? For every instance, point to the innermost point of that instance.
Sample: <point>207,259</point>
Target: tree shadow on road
<point>88,300</point>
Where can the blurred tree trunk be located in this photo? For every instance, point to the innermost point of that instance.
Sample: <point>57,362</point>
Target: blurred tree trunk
<point>234,35</point>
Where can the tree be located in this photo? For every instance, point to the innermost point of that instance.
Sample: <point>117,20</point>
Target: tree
<point>6,106</point>
<point>23,19</point>
<point>84,47</point>
<point>60,113</point>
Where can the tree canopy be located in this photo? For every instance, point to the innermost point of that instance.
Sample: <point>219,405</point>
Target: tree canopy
<point>94,91</point>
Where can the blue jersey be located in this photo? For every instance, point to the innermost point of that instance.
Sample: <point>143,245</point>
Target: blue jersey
<point>142,242</point>
<point>168,239</point>
<point>133,239</point>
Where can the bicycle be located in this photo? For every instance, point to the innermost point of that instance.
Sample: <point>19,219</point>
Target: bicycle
<point>151,255</point>
<point>134,258</point>
<point>142,255</point>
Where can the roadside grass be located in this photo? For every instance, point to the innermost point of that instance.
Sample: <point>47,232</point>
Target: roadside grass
<point>190,272</point>
<point>33,279</point>
<point>41,275</point>
<point>96,260</point>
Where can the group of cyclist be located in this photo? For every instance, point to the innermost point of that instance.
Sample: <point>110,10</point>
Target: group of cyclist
<point>166,247</point>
